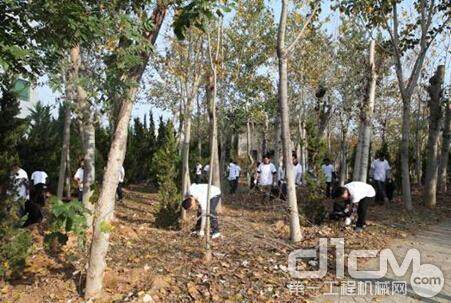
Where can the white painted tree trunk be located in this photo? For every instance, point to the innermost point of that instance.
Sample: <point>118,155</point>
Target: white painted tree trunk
<point>446,144</point>
<point>435,119</point>
<point>295,227</point>
<point>65,151</point>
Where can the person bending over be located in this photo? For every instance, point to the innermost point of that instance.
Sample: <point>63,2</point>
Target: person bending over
<point>355,193</point>
<point>196,199</point>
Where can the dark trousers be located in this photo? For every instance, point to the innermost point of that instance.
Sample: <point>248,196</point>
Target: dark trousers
<point>119,192</point>
<point>381,194</point>
<point>213,215</point>
<point>233,185</point>
<point>33,212</point>
<point>37,194</point>
<point>80,195</point>
<point>361,211</point>
<point>328,189</point>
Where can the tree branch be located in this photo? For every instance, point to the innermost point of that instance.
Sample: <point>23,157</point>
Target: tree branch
<point>301,33</point>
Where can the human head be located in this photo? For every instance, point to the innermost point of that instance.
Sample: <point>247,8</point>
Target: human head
<point>327,161</point>
<point>81,163</point>
<point>381,156</point>
<point>15,167</point>
<point>189,203</point>
<point>341,193</point>
<point>295,160</point>
<point>266,159</point>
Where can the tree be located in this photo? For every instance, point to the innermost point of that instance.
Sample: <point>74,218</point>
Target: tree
<point>446,142</point>
<point>130,75</point>
<point>431,19</point>
<point>435,123</point>
<point>367,109</point>
<point>282,53</point>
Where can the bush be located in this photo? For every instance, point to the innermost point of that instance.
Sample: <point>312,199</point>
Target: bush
<point>15,247</point>
<point>65,218</point>
<point>313,209</point>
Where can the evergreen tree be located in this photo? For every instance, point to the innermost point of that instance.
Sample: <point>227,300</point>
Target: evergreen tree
<point>165,161</point>
<point>15,243</point>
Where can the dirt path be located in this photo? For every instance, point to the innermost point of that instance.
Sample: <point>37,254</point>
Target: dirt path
<point>434,246</point>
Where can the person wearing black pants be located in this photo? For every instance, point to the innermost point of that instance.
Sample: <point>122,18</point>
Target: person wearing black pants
<point>354,193</point>
<point>196,198</point>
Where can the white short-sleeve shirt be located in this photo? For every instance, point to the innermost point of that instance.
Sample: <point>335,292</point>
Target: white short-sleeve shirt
<point>327,171</point>
<point>200,191</point>
<point>38,177</point>
<point>79,175</point>
<point>234,171</point>
<point>380,169</point>
<point>360,190</point>
<point>266,172</point>
<point>121,174</point>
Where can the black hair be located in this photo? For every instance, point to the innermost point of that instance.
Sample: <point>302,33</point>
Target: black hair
<point>338,192</point>
<point>186,204</point>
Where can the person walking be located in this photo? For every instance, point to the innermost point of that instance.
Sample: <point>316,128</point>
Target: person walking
<point>328,172</point>
<point>78,177</point>
<point>380,170</point>
<point>234,175</point>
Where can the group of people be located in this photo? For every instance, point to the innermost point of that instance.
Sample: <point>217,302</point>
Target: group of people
<point>350,201</point>
<point>31,191</point>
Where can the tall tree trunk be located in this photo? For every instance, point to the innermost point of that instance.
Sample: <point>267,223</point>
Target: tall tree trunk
<point>304,149</point>
<point>367,115</point>
<point>405,172</point>
<point>418,168</point>
<point>435,118</point>
<point>199,131</point>
<point>358,156</point>
<point>277,142</point>
<point>63,171</point>
<point>88,135</point>
<point>185,149</point>
<point>265,135</point>
<point>444,157</point>
<point>106,203</point>
<point>344,156</point>
<point>295,227</point>
<point>211,93</point>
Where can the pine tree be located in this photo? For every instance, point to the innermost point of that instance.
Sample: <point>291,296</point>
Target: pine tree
<point>15,243</point>
<point>165,161</point>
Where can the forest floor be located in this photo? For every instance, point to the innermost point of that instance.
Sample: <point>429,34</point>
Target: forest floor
<point>249,263</point>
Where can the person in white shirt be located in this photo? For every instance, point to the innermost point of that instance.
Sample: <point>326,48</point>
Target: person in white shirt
<point>39,180</point>
<point>234,175</point>
<point>78,177</point>
<point>266,172</point>
<point>380,170</point>
<point>281,177</point>
<point>196,199</point>
<point>328,171</point>
<point>20,183</point>
<point>206,171</point>
<point>354,193</point>
<point>198,176</point>
<point>119,192</point>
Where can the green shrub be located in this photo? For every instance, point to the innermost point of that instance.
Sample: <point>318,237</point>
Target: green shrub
<point>15,247</point>
<point>313,209</point>
<point>65,218</point>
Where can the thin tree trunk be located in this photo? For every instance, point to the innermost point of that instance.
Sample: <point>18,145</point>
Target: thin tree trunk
<point>106,203</point>
<point>105,207</point>
<point>265,135</point>
<point>277,142</point>
<point>185,150</point>
<point>295,227</point>
<point>418,144</point>
<point>66,147</point>
<point>358,156</point>
<point>367,115</point>
<point>304,150</point>
<point>89,169</point>
<point>211,92</point>
<point>435,118</point>
<point>343,158</point>
<point>444,157</point>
